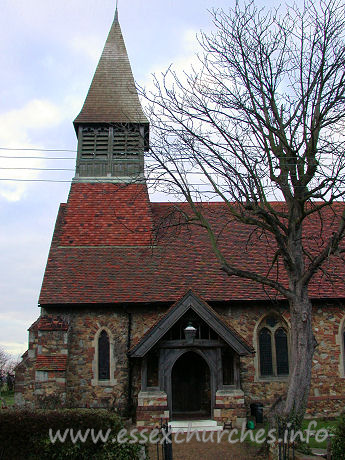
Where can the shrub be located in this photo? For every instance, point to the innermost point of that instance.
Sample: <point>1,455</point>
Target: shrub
<point>338,442</point>
<point>25,434</point>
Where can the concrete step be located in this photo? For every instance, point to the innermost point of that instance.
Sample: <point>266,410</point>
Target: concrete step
<point>319,452</point>
<point>199,425</point>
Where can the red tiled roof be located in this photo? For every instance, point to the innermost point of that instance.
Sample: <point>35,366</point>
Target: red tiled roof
<point>51,363</point>
<point>34,325</point>
<point>102,252</point>
<point>107,215</point>
<point>48,323</point>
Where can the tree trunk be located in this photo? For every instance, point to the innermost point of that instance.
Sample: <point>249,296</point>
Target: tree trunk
<point>301,355</point>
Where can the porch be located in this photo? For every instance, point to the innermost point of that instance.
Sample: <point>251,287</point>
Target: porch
<point>190,367</point>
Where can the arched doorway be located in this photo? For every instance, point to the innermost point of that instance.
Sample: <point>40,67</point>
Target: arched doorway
<point>191,387</point>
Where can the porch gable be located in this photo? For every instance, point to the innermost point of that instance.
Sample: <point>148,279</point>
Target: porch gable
<point>190,301</point>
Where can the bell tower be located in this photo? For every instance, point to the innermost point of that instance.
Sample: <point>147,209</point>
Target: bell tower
<point>112,130</point>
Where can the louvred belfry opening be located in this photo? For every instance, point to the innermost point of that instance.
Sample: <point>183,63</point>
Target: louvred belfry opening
<point>94,143</point>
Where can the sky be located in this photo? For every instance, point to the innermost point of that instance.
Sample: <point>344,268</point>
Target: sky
<point>48,54</point>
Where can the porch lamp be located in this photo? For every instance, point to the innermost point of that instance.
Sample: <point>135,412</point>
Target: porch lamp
<point>189,333</point>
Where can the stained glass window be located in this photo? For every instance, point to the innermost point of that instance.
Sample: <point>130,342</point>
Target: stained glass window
<point>271,321</point>
<point>103,356</point>
<point>282,354</point>
<point>273,347</point>
<point>265,345</point>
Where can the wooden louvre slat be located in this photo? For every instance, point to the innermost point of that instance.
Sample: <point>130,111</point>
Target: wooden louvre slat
<point>126,142</point>
<point>95,143</point>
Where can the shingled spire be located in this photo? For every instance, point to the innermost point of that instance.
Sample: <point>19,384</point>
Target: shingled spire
<point>111,127</point>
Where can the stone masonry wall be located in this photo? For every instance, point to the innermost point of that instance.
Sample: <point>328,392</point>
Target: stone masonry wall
<point>327,396</point>
<point>82,388</point>
<point>230,407</point>
<point>152,408</point>
<point>41,375</point>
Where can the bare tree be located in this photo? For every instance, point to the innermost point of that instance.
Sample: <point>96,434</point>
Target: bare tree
<point>4,360</point>
<point>7,362</point>
<point>7,370</point>
<point>260,118</point>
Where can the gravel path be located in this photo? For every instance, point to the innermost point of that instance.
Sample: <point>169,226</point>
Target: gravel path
<point>195,450</point>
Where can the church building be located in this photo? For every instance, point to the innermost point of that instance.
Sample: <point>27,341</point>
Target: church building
<point>138,316</point>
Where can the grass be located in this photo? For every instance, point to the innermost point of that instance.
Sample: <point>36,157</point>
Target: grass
<point>325,424</point>
<point>313,443</point>
<point>8,397</point>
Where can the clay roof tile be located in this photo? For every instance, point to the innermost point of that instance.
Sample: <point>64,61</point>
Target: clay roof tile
<point>106,250</point>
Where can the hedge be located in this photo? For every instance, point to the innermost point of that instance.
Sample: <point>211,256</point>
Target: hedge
<point>24,433</point>
<point>338,442</point>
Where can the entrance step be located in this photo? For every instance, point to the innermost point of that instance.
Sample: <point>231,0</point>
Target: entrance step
<point>196,425</point>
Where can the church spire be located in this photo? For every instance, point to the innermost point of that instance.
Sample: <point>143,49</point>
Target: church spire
<point>112,97</point>
<point>116,18</point>
<point>112,128</point>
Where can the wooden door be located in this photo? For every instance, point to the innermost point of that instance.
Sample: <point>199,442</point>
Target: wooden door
<point>190,386</point>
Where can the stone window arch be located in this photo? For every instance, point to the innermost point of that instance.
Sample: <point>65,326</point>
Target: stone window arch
<point>103,364</point>
<point>273,347</point>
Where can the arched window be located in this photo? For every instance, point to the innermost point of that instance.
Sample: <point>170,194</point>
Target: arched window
<point>265,344</point>
<point>273,347</point>
<point>282,354</point>
<point>103,356</point>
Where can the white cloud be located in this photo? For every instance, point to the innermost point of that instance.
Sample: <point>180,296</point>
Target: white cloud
<point>36,114</point>
<point>185,58</point>
<point>11,341</point>
<point>16,129</point>
<point>189,40</point>
<point>90,46</point>
<point>15,349</point>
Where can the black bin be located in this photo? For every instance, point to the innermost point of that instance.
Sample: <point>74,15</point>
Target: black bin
<point>257,411</point>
